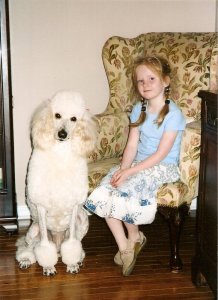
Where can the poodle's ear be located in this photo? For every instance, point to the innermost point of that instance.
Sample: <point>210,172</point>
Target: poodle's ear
<point>85,135</point>
<point>42,132</point>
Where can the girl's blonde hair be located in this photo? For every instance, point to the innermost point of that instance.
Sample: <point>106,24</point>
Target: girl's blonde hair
<point>161,67</point>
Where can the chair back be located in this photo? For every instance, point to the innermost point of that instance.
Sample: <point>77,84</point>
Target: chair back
<point>192,56</point>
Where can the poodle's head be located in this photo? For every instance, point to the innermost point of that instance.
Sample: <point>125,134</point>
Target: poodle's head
<point>64,118</point>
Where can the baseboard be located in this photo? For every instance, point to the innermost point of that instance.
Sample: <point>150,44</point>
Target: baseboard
<point>193,204</point>
<point>23,212</point>
<point>23,215</point>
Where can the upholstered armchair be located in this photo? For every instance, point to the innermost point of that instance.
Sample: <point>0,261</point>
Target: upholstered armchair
<point>193,57</point>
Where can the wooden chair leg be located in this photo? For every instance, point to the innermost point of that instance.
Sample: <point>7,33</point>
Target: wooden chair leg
<point>175,218</point>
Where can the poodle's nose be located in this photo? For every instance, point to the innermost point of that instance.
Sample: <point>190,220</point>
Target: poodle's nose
<point>62,134</point>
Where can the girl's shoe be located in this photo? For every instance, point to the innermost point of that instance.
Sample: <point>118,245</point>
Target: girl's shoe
<point>117,259</point>
<point>140,244</point>
<point>138,247</point>
<point>128,258</point>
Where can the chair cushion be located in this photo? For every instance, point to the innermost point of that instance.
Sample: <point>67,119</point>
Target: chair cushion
<point>97,170</point>
<point>172,194</point>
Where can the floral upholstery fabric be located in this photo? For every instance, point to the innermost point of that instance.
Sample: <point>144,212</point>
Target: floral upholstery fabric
<point>213,70</point>
<point>97,170</point>
<point>112,137</point>
<point>175,194</point>
<point>190,158</point>
<point>189,54</point>
<point>193,58</point>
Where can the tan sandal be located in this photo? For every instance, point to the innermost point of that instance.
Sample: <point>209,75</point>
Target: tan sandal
<point>140,244</point>
<point>128,258</point>
<point>117,259</point>
<point>138,247</point>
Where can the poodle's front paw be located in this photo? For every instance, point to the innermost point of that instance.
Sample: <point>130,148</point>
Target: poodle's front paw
<point>49,271</point>
<point>73,269</point>
<point>72,255</point>
<point>46,255</point>
<point>25,263</point>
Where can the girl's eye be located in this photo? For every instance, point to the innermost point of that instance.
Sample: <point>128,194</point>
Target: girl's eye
<point>140,82</point>
<point>57,116</point>
<point>73,119</point>
<point>152,78</point>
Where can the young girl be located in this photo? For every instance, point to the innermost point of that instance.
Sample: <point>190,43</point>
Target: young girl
<point>127,194</point>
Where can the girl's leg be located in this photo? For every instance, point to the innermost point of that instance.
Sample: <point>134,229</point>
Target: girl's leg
<point>133,231</point>
<point>128,249</point>
<point>116,227</point>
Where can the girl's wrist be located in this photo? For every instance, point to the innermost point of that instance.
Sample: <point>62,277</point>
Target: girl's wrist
<point>134,170</point>
<point>122,167</point>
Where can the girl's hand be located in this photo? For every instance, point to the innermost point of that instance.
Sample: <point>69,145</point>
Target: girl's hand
<point>119,177</point>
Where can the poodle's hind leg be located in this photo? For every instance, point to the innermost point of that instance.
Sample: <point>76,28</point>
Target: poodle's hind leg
<point>25,247</point>
<point>71,250</point>
<point>45,251</point>
<point>82,223</point>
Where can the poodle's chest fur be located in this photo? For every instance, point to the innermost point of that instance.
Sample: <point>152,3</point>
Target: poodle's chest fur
<point>57,179</point>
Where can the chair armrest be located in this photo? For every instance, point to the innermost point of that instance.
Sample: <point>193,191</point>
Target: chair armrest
<point>190,157</point>
<point>112,137</point>
<point>184,190</point>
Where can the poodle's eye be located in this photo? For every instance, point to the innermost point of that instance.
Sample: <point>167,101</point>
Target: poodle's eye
<point>57,116</point>
<point>73,119</point>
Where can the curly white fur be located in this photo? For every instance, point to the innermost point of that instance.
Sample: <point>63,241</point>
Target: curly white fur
<point>63,135</point>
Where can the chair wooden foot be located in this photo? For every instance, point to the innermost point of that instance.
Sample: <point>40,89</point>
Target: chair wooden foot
<point>175,217</point>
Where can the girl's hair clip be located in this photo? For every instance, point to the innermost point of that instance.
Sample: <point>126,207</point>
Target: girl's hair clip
<point>167,101</point>
<point>143,105</point>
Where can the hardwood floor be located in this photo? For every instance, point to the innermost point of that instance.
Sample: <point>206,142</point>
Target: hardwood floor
<point>100,278</point>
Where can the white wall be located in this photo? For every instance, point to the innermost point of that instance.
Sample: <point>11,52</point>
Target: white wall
<point>56,44</point>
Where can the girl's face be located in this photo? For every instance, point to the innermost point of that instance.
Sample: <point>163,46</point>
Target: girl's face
<point>150,85</point>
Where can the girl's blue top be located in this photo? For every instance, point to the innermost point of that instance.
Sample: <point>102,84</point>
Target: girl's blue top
<point>150,134</point>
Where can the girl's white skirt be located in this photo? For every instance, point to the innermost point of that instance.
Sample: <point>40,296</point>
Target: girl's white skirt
<point>134,201</point>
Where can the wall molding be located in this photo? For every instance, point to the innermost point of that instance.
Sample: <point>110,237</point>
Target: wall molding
<point>23,212</point>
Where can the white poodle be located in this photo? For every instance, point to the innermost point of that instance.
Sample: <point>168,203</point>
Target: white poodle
<point>63,135</point>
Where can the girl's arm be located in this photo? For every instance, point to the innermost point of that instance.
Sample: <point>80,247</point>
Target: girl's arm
<point>130,149</point>
<point>129,153</point>
<point>163,149</point>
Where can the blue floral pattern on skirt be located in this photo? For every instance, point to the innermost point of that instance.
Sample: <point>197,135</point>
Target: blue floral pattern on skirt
<point>134,201</point>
